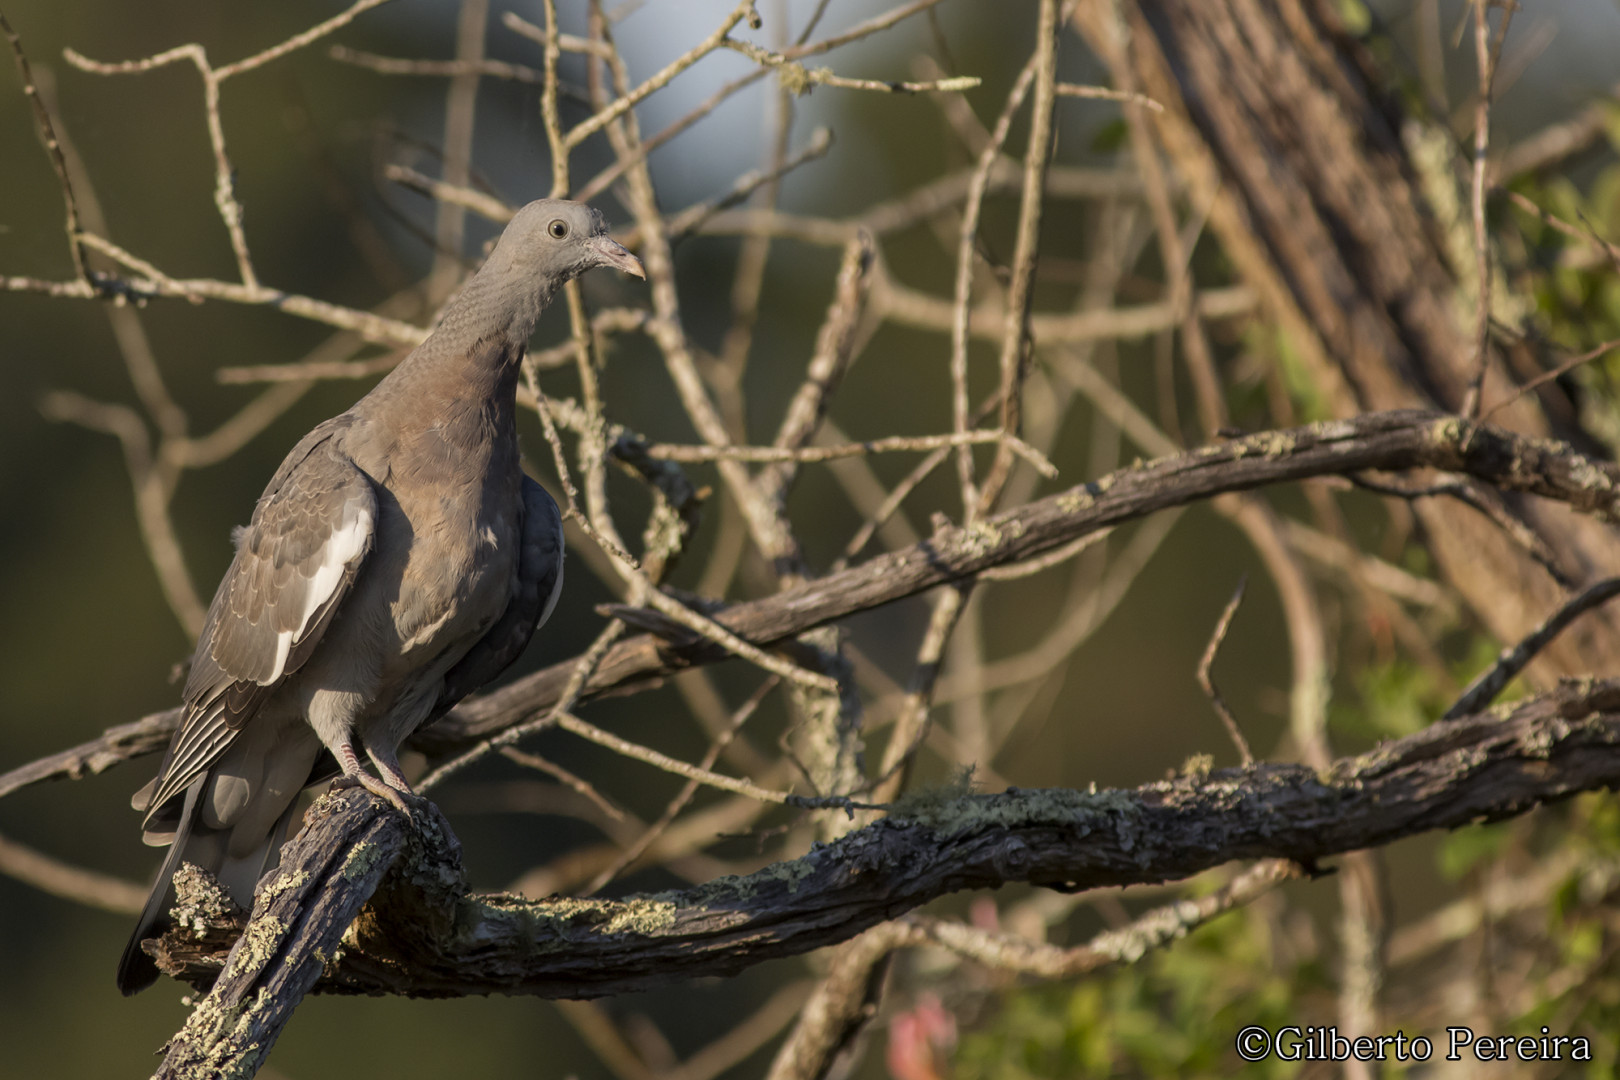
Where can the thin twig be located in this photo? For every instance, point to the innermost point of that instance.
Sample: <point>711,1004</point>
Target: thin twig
<point>575,783</point>
<point>798,79</point>
<point>555,139</point>
<point>637,848</point>
<point>1041,563</point>
<point>913,307</point>
<point>559,458</point>
<point>390,65</point>
<point>1467,492</point>
<point>630,99</point>
<point>1483,690</point>
<point>1153,929</point>
<point>1485,57</point>
<point>53,148</point>
<point>591,733</point>
<point>693,217</point>
<point>372,327</point>
<point>1016,343</point>
<point>687,453</point>
<point>1548,376</point>
<point>481,203</point>
<point>962,293</point>
<point>230,209</point>
<point>1222,625</point>
<point>1104,93</point>
<point>89,887</point>
<point>580,675</point>
<point>605,179</point>
<point>707,627</point>
<point>891,503</point>
<point>1586,236</point>
<point>860,30</point>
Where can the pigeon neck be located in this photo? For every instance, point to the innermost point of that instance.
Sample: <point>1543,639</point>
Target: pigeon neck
<point>500,302</point>
<point>475,349</point>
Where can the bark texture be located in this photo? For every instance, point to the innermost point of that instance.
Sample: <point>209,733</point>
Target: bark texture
<point>1341,212</point>
<point>422,935</point>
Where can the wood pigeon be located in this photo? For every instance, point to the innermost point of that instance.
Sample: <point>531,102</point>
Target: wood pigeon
<point>398,560</point>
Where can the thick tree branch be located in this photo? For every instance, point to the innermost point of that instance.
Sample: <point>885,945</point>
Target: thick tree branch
<point>423,936</point>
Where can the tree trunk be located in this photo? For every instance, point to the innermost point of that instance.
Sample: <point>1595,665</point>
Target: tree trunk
<point>1276,121</point>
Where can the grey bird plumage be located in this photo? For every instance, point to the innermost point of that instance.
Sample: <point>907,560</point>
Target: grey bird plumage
<point>398,560</point>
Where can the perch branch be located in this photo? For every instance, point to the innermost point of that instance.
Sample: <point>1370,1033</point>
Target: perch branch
<point>424,936</point>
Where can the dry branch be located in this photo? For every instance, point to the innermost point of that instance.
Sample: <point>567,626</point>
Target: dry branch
<point>423,936</point>
<point>1388,441</point>
<point>1392,441</point>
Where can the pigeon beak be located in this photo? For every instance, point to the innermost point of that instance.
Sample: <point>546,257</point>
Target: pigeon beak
<point>608,252</point>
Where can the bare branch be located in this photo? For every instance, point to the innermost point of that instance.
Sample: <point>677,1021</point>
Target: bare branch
<point>586,128</point>
<point>1383,441</point>
<point>53,148</point>
<point>1445,776</point>
<point>798,79</point>
<point>1153,930</point>
<point>390,65</point>
<point>670,452</point>
<point>1103,93</point>
<point>75,883</point>
<point>1245,755</point>
<point>1483,690</point>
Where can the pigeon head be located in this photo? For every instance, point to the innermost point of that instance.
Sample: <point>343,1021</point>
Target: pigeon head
<point>558,240</point>
<point>547,243</point>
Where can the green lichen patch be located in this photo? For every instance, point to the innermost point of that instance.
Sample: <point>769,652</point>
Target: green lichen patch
<point>917,803</point>
<point>1447,432</point>
<point>1541,741</point>
<point>1076,499</point>
<point>636,915</point>
<point>1198,766</point>
<point>200,900</point>
<point>1331,430</point>
<point>284,881</point>
<point>259,943</point>
<point>1591,478</point>
<point>731,889</point>
<point>980,538</point>
<point>211,1025</point>
<point>1274,444</point>
<point>1085,496</point>
<point>362,860</point>
<point>798,80</point>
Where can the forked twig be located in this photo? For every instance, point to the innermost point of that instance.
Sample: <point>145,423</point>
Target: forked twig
<point>1222,625</point>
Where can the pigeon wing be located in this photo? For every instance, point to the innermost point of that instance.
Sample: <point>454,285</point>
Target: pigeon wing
<point>310,534</point>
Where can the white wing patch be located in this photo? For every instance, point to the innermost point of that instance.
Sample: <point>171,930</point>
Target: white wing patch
<point>345,545</point>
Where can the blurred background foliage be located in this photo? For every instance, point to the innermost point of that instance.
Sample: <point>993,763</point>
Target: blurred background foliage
<point>89,640</point>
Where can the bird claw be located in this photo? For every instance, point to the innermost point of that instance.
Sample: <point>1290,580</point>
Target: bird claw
<point>417,809</point>
<point>396,799</point>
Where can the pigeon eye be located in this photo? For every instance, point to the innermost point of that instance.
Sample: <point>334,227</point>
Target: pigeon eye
<point>558,229</point>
